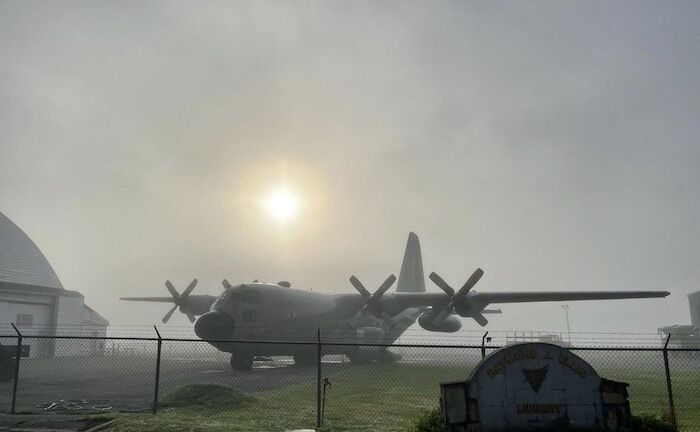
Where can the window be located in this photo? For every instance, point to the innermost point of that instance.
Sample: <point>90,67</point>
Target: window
<point>24,320</point>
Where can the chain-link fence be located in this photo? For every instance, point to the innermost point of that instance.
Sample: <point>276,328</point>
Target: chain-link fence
<point>347,386</point>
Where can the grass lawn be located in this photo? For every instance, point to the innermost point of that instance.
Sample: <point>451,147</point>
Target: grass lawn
<point>385,398</point>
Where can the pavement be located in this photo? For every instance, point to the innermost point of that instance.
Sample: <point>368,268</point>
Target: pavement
<point>74,385</point>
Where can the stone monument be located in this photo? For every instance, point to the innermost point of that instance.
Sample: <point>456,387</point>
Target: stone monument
<point>534,387</point>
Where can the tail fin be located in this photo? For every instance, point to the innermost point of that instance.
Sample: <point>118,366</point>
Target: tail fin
<point>694,300</point>
<point>411,277</point>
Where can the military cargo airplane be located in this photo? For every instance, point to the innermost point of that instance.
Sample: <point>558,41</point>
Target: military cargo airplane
<point>278,312</point>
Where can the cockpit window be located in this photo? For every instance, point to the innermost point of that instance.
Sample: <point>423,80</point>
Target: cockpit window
<point>228,299</point>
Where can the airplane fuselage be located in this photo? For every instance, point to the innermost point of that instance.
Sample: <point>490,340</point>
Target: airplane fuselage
<point>269,312</point>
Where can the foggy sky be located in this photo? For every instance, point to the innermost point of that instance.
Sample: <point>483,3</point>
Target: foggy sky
<point>554,144</point>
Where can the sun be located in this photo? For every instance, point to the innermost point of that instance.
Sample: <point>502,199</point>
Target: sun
<point>281,204</point>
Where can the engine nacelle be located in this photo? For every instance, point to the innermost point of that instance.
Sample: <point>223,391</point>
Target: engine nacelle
<point>450,324</point>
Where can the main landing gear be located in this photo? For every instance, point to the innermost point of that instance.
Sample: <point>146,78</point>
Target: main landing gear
<point>242,361</point>
<point>306,358</point>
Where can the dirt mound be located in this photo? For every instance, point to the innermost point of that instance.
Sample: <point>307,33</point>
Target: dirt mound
<point>205,395</point>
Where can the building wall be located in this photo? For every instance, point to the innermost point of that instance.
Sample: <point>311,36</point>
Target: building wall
<point>39,309</point>
<point>56,313</point>
<point>69,313</point>
<point>75,319</point>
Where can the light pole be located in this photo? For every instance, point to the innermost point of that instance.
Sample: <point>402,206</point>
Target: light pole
<point>568,328</point>
<point>484,339</point>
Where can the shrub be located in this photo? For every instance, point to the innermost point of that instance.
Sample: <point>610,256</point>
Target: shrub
<point>651,423</point>
<point>427,421</point>
<point>430,421</point>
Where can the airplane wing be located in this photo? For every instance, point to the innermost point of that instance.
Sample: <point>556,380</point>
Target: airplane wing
<point>436,308</point>
<point>188,303</point>
<point>544,296</point>
<point>396,302</point>
<point>464,302</point>
<point>472,304</point>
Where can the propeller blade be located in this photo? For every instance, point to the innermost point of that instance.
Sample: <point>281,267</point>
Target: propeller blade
<point>167,316</point>
<point>358,286</point>
<point>173,291</point>
<point>385,286</point>
<point>226,284</point>
<point>190,316</point>
<point>480,319</point>
<point>440,282</point>
<point>189,288</point>
<point>469,284</point>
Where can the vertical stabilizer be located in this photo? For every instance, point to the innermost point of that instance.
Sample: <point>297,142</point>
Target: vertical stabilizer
<point>411,277</point>
<point>694,300</point>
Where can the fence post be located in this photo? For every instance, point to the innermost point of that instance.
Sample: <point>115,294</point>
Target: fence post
<point>669,387</point>
<point>18,355</point>
<point>155,394</point>
<point>318,379</point>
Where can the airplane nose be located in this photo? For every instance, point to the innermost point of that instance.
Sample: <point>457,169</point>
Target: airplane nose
<point>214,325</point>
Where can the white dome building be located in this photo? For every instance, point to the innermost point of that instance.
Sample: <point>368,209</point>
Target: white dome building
<point>33,298</point>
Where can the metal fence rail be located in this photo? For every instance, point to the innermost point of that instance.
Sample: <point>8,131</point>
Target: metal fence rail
<point>140,374</point>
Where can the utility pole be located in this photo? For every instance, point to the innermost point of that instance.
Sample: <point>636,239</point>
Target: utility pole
<point>568,327</point>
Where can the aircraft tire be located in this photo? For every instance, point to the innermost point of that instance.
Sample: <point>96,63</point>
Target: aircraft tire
<point>387,356</point>
<point>242,361</point>
<point>7,370</point>
<point>359,358</point>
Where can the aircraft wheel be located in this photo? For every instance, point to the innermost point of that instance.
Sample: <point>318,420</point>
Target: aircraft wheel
<point>242,361</point>
<point>359,358</point>
<point>387,356</point>
<point>7,370</point>
<point>5,377</point>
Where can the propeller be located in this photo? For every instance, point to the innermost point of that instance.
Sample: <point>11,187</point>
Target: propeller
<point>458,297</point>
<point>180,300</point>
<point>372,301</point>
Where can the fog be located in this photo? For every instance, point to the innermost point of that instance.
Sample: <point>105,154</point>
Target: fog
<point>554,144</point>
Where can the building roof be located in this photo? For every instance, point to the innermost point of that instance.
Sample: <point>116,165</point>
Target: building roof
<point>93,317</point>
<point>21,261</point>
